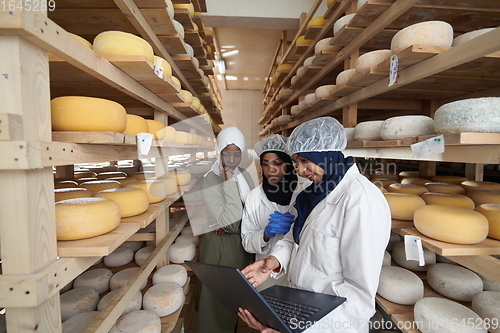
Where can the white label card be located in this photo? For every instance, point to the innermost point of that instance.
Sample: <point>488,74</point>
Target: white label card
<point>414,249</point>
<point>158,68</point>
<point>144,142</point>
<point>393,71</point>
<point>428,147</point>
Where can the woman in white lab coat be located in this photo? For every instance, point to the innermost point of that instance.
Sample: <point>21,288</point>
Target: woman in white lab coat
<point>277,193</point>
<point>339,236</point>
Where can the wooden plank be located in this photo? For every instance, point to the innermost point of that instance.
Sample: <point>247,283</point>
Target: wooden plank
<point>182,16</point>
<point>187,109</point>
<point>113,138</point>
<point>173,44</point>
<point>11,127</point>
<point>483,264</point>
<point>151,4</point>
<point>312,31</point>
<point>159,20</point>
<point>467,138</point>
<point>150,214</point>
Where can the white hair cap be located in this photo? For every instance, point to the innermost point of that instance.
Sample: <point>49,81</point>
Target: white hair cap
<point>273,142</point>
<point>319,134</point>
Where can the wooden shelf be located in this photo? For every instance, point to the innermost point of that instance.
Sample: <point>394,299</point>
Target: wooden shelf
<point>182,16</point>
<point>153,211</point>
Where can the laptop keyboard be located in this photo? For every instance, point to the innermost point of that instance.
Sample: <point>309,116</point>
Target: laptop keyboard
<point>288,310</point>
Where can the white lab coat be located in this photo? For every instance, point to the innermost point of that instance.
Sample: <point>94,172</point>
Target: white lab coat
<point>341,251</point>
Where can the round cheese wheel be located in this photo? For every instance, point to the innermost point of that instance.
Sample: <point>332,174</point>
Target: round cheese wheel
<point>163,298</point>
<point>171,11</point>
<point>324,46</point>
<point>179,28</point>
<point>65,184</point>
<point>97,279</point>
<point>324,91</point>
<point>176,82</point>
<point>345,76</point>
<point>79,322</point>
<point>444,188</point>
<point>83,180</point>
<point>181,137</point>
<point>84,174</point>
<point>188,238</point>
<point>481,197</point>
<point>294,110</point>
<point>368,130</point>
<point>182,177</point>
<point>492,213</point>
<point>448,199</point>
<point>400,285</point>
<point>399,256</point>
<point>383,182</point>
<point>387,259</point>
<point>82,40</point>
<point>119,279</point>
<point>135,303</point>
<point>141,321</point>
<point>96,186</point>
<point>449,179</point>
<point>309,61</point>
<point>488,284</point>
<point>171,273</point>
<point>123,180</point>
<point>189,50</point>
<point>398,128</point>
<point>122,43</point>
<point>135,125</point>
<point>170,183</point>
<point>342,22</point>
<point>143,175</point>
<point>468,115</point>
<point>319,20</point>
<point>78,113</point>
<point>372,59</point>
<point>119,257</point>
<point>407,188</point>
<point>110,174</point>
<point>349,133</point>
<point>142,254</point>
<point>301,71</point>
<point>188,6</point>
<point>170,133</point>
<point>187,230</point>
<point>435,314</point>
<point>196,103</point>
<point>186,96</point>
<point>71,193</point>
<point>301,40</point>
<point>469,35</point>
<point>393,240</point>
<point>164,65</point>
<point>453,281</point>
<point>133,245</point>
<point>487,305</point>
<point>403,205</point>
<point>156,190</point>
<point>156,127</point>
<point>415,181</point>
<point>451,224</point>
<point>284,67</point>
<point>310,99</point>
<point>437,33</point>
<point>85,217</point>
<point>472,185</point>
<point>408,174</point>
<point>78,300</point>
<point>294,79</point>
<point>180,252</point>
<point>132,201</point>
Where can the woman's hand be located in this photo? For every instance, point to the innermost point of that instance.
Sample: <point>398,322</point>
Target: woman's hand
<point>259,271</point>
<point>220,231</point>
<point>228,173</point>
<point>247,317</point>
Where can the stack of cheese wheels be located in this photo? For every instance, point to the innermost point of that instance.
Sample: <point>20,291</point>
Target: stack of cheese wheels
<point>141,321</point>
<point>122,43</point>
<point>451,224</point>
<point>468,115</point>
<point>481,197</point>
<point>77,323</point>
<point>436,33</point>
<point>135,303</point>
<point>371,59</point>
<point>403,205</point>
<point>342,22</point>
<point>163,66</point>
<point>119,257</point>
<point>156,128</point>
<point>453,281</point>
<point>156,190</point>
<point>97,279</point>
<point>110,174</point>
<point>487,305</point>
<point>170,183</point>
<point>345,76</point>
<point>399,256</point>
<point>132,201</point>
<point>400,285</point>
<point>71,193</point>
<point>472,185</point>
<point>407,188</point>
<point>437,187</point>
<point>120,278</point>
<point>142,254</point>
<point>470,35</point>
<point>415,181</point>
<point>397,128</point>
<point>492,213</point>
<point>135,125</point>
<point>179,252</point>
<point>171,273</point>
<point>78,113</point>
<point>85,217</point>
<point>181,176</point>
<point>163,298</point>
<point>96,186</point>
<point>448,199</point>
<point>78,300</point>
<point>368,130</point>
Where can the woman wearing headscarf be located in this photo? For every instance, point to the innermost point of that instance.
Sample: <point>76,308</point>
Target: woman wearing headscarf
<point>224,190</point>
<point>339,236</point>
<point>269,211</point>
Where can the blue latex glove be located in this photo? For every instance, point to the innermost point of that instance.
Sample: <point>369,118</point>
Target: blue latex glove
<point>279,224</point>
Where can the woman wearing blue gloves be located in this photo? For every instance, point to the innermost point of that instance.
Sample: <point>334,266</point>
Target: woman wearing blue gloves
<point>269,212</point>
<point>339,236</point>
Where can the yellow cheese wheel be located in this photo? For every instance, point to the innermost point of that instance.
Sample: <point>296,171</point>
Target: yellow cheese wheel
<point>182,137</point>
<point>492,213</point>
<point>176,82</point>
<point>481,197</point>
<point>444,188</point>
<point>136,124</point>
<point>65,184</point>
<point>132,201</point>
<point>170,183</point>
<point>83,180</point>
<point>448,199</point>
<point>124,180</point>
<point>273,79</point>
<point>320,20</point>
<point>182,177</point>
<point>78,113</point>
<point>403,205</point>
<point>110,174</point>
<point>284,67</point>
<point>383,183</point>
<point>143,175</point>
<point>449,179</point>
<point>84,174</point>
<point>301,40</point>
<point>82,40</point>
<point>170,133</point>
<point>451,224</point>
<point>408,174</point>
<point>156,128</point>
<point>330,2</point>
<point>165,66</point>
<point>471,185</point>
<point>188,6</point>
<point>122,43</point>
<point>71,193</point>
<point>415,181</point>
<point>157,191</point>
<point>95,186</point>
<point>196,103</point>
<point>407,188</point>
<point>187,96</point>
<point>85,217</point>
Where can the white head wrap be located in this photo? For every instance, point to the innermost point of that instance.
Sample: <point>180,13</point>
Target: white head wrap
<point>273,142</point>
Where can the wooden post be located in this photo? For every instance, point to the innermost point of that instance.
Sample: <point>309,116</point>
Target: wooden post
<point>65,172</point>
<point>474,171</point>
<point>427,169</point>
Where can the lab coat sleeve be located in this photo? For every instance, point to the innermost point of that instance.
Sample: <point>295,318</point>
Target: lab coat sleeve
<point>252,234</point>
<point>282,250</point>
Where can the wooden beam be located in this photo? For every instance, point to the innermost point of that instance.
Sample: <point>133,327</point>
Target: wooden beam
<point>11,126</point>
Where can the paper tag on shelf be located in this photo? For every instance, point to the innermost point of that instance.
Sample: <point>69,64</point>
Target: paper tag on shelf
<point>393,71</point>
<point>428,147</point>
<point>158,68</point>
<point>144,142</point>
<point>414,249</point>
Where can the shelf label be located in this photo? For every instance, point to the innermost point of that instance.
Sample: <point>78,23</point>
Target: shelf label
<point>144,142</point>
<point>158,68</point>
<point>414,249</point>
<point>428,147</point>
<point>393,71</point>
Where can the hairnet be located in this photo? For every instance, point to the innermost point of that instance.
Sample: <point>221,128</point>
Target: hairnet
<point>319,134</point>
<point>273,142</point>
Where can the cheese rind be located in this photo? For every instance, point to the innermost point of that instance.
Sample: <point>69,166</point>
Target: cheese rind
<point>179,252</point>
<point>367,130</point>
<point>487,305</point>
<point>122,43</point>
<point>78,300</point>
<point>132,201</point>
<point>455,282</point>
<point>141,321</point>
<point>135,125</point>
<point>481,197</point>
<point>171,273</point>
<point>71,193</point>
<point>156,190</point>
<point>437,33</point>
<point>472,185</point>
<point>163,298</point>
<point>372,59</point>
<point>119,257</point>
<point>398,128</point>
<point>78,323</point>
<point>156,127</point>
<point>444,188</point>
<point>135,303</point>
<point>119,279</point>
<point>403,205</point>
<point>400,285</point>
<point>97,279</point>
<point>407,188</point>
<point>96,186</point>
<point>399,256</point>
<point>448,199</point>
<point>492,213</point>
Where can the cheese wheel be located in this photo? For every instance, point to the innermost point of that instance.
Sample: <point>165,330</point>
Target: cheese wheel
<point>196,103</point>
<point>78,300</point>
<point>435,314</point>
<point>437,33</point>
<point>449,179</point>
<point>345,76</point>
<point>123,180</point>
<point>387,259</point>
<point>393,240</point>
<point>444,188</point>
<point>84,174</point>
<point>372,59</point>
<point>187,230</point>
<point>399,256</point>
<point>492,213</point>
<point>188,6</point>
<point>481,197</point>
<point>180,252</point>
<point>176,82</point>
<point>310,99</point>
<point>156,190</point>
<point>455,282</point>
<point>349,133</point>
<point>97,279</point>
<point>408,174</point>
<point>448,199</point>
<point>489,285</point>
<point>135,125</point>
<point>398,128</point>
<point>85,217</point>
<point>96,186</point>
<point>61,194</point>
<point>301,71</point>
<point>183,177</point>
<point>407,188</point>
<point>403,205</point>
<point>284,67</point>
<point>487,305</point>
<point>415,181</point>
<point>142,254</point>
<point>133,245</point>
<point>469,35</point>
<point>294,79</point>
<point>163,298</point>
<point>78,113</point>
<point>143,175</point>
<point>379,175</point>
<point>162,64</point>
<point>324,46</point>
<point>301,40</point>
<point>319,20</point>
<point>170,10</point>
<point>83,180</point>
<point>186,96</point>
<point>135,303</point>
<point>188,238</point>
<point>368,130</point>
<point>342,22</point>
<point>309,61</point>
<point>171,273</point>
<point>132,201</point>
<point>119,257</point>
<point>471,185</point>
<point>122,43</point>
<point>383,183</point>
<point>285,93</point>
<point>110,174</point>
<point>156,127</point>
<point>400,285</point>
<point>82,40</point>
<point>120,278</point>
<point>141,321</point>
<point>169,133</point>
<point>65,184</point>
<point>170,183</point>
<point>451,224</point>
<point>182,137</point>
<point>189,50</point>
<point>78,323</point>
<point>324,91</point>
